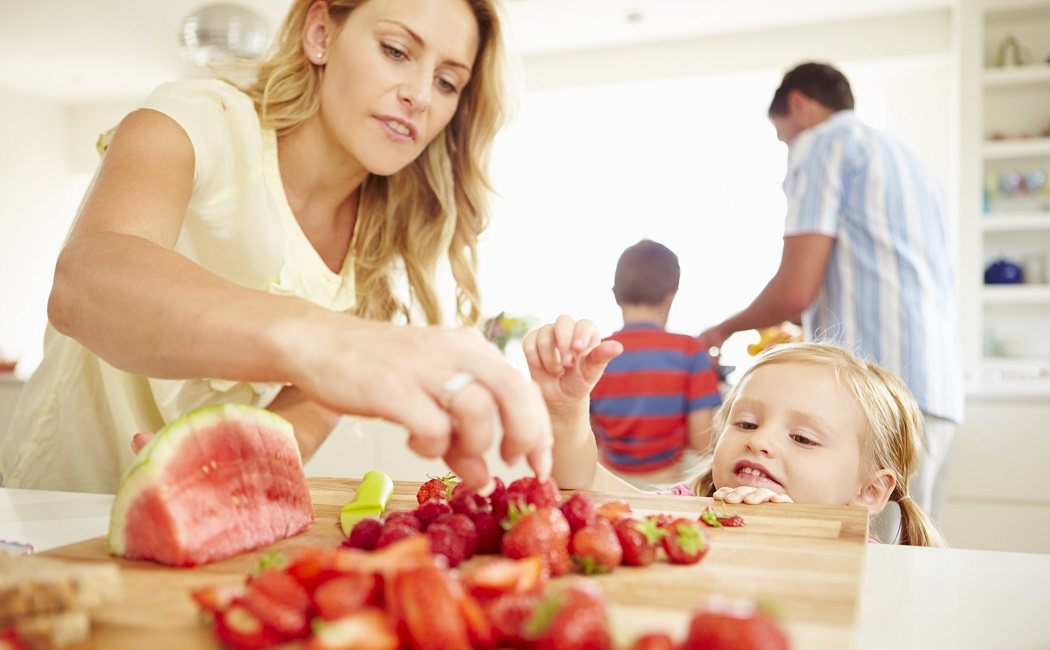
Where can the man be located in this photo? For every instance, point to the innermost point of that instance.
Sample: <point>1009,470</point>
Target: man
<point>655,401</point>
<point>866,260</point>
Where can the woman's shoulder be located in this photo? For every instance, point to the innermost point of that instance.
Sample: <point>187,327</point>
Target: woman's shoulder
<point>189,99</point>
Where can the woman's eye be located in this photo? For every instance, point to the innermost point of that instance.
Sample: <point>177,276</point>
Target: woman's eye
<point>445,85</point>
<point>393,52</point>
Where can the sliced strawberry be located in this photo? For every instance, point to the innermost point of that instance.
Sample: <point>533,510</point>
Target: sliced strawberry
<point>365,629</point>
<point>240,629</point>
<point>345,595</point>
<point>613,510</point>
<point>312,566</point>
<point>685,542</point>
<point>508,613</point>
<point>654,641</point>
<point>502,576</point>
<point>405,554</point>
<point>283,621</point>
<point>429,614</point>
<point>281,587</point>
<point>215,599</point>
<point>11,640</point>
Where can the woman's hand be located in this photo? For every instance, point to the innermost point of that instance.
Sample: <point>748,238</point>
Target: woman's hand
<point>751,495</point>
<point>566,359</point>
<point>403,373</point>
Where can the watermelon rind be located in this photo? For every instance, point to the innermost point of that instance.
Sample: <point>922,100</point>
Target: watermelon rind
<point>151,461</point>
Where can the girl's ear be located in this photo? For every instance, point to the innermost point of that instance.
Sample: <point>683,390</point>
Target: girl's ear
<point>875,494</point>
<point>315,32</point>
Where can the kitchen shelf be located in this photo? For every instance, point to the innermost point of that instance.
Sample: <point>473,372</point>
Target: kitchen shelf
<point>1027,148</point>
<point>1015,221</point>
<point>1016,294</point>
<point>1017,76</point>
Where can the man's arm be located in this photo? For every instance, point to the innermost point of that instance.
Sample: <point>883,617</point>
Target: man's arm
<point>795,285</point>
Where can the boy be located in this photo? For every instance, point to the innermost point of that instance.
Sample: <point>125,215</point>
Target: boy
<point>656,399</point>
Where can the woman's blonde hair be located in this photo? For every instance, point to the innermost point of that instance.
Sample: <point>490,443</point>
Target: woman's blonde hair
<point>406,216</point>
<point>895,424</point>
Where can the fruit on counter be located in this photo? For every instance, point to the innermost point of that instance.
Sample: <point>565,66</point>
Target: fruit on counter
<point>437,487</point>
<point>542,532</point>
<point>47,603</point>
<point>740,627</point>
<point>369,501</point>
<point>711,518</point>
<point>639,539</point>
<point>685,542</point>
<point>786,332</point>
<point>219,481</point>
<point>595,547</point>
<point>575,617</point>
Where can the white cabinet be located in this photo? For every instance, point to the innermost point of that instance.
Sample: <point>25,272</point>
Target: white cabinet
<point>1005,193</point>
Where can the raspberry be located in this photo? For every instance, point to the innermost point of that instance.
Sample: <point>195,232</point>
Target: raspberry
<point>464,529</point>
<point>393,532</point>
<point>578,511</point>
<point>490,533</point>
<point>364,534</point>
<point>403,517</point>
<point>445,541</point>
<point>431,510</point>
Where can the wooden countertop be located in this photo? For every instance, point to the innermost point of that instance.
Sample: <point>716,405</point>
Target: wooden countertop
<point>806,561</point>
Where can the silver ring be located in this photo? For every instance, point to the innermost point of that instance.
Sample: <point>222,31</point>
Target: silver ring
<point>453,386</point>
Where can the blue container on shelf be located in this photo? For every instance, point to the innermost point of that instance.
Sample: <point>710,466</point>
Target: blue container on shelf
<point>1003,271</point>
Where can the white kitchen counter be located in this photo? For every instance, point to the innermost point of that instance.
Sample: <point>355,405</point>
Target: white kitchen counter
<point>910,598</point>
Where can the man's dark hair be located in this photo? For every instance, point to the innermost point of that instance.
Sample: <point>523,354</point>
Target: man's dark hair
<point>645,274</point>
<point>818,81</point>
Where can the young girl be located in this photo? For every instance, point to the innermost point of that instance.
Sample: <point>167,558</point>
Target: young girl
<point>808,423</point>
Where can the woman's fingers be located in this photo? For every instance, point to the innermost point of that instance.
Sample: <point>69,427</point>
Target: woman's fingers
<point>140,440</point>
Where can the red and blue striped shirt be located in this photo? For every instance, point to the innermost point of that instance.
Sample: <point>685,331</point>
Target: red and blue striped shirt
<point>641,404</point>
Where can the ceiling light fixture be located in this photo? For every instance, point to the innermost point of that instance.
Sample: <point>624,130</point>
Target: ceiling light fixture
<point>223,32</point>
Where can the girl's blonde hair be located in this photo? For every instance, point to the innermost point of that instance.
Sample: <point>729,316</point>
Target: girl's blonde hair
<point>406,216</point>
<point>895,425</point>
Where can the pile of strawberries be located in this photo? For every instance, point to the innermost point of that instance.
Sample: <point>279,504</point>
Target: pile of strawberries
<point>392,583</point>
<point>528,519</point>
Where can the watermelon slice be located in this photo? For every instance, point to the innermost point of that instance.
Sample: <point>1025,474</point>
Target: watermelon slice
<point>218,481</point>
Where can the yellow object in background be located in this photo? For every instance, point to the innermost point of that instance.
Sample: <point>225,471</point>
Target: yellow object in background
<point>786,332</point>
<point>370,501</point>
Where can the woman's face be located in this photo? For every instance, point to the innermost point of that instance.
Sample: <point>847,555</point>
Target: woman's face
<point>394,72</point>
<point>793,429</point>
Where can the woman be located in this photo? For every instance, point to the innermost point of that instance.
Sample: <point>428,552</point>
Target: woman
<point>258,238</point>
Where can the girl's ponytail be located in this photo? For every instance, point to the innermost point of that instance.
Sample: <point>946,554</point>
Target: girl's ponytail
<point>917,528</point>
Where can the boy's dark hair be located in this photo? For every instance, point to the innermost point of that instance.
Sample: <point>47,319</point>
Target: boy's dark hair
<point>645,274</point>
<point>818,81</point>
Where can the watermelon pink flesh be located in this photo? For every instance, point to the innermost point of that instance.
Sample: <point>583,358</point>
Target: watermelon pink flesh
<point>229,489</point>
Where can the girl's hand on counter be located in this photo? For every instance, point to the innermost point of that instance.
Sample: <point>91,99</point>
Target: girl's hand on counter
<point>750,495</point>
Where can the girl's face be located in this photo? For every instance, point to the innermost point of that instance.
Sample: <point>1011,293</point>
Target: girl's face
<point>794,430</point>
<point>393,77</point>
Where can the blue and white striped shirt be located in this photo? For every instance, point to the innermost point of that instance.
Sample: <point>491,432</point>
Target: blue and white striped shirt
<point>889,290</point>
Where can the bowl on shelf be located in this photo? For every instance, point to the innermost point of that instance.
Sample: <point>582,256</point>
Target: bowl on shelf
<point>1003,271</point>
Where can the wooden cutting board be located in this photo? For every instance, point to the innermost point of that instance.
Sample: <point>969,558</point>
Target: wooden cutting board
<point>805,561</point>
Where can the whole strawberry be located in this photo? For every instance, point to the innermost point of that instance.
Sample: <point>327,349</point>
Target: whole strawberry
<point>530,491</point>
<point>578,510</point>
<point>685,542</point>
<point>542,532</point>
<point>654,641</point>
<point>574,618</point>
<point>437,487</point>
<point>725,630</point>
<point>596,548</point>
<point>639,539</point>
